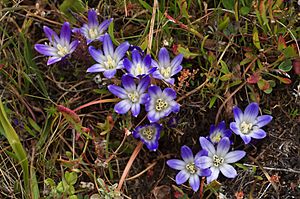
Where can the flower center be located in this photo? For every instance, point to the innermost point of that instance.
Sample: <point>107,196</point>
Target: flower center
<point>191,168</point>
<point>217,161</point>
<point>148,133</point>
<point>134,96</point>
<point>93,33</point>
<point>246,127</point>
<point>62,50</point>
<point>110,63</point>
<point>161,104</point>
<point>139,70</point>
<point>216,137</point>
<point>166,72</point>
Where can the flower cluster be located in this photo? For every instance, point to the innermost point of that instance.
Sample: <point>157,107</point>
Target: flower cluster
<point>136,90</point>
<point>215,156</point>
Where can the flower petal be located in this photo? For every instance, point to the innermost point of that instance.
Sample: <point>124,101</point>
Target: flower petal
<point>109,73</point>
<point>194,182</point>
<point>204,172</point>
<point>92,18</point>
<point>108,47</point>
<point>147,61</point>
<point>207,145</point>
<point>96,54</point>
<point>121,51</point>
<point>65,33</point>
<point>182,177</point>
<point>73,46</point>
<point>246,138</point>
<point>95,68</point>
<point>258,134</point>
<point>164,57</point>
<point>45,49</point>
<point>223,147</point>
<point>104,25</point>
<point>177,61</point>
<point>136,57</point>
<point>128,83</point>
<point>53,60</point>
<point>118,91</point>
<point>123,106</point>
<point>51,34</point>
<point>135,109</point>
<point>214,174</point>
<point>238,114</point>
<point>201,153</point>
<point>251,112</point>
<point>187,154</point>
<point>143,85</point>
<point>127,65</point>
<point>154,91</point>
<point>203,162</point>
<point>144,98</point>
<point>169,93</point>
<point>176,70</point>
<point>263,120</point>
<point>153,116</point>
<point>228,170</point>
<point>234,127</point>
<point>175,107</point>
<point>156,74</point>
<point>176,164</point>
<point>234,156</point>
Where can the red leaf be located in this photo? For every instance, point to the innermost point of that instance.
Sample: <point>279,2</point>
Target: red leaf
<point>281,43</point>
<point>296,66</point>
<point>285,80</point>
<point>254,78</point>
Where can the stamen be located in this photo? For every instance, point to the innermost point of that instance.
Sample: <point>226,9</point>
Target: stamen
<point>134,96</point>
<point>148,133</point>
<point>161,104</point>
<point>166,72</point>
<point>217,161</point>
<point>191,168</point>
<point>110,63</point>
<point>93,33</point>
<point>139,70</point>
<point>62,50</point>
<point>246,127</point>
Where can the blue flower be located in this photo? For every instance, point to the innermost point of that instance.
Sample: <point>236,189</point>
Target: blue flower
<point>219,159</point>
<point>138,67</point>
<point>161,103</point>
<point>166,68</point>
<point>58,47</point>
<point>248,124</point>
<point>132,96</point>
<point>93,30</point>
<point>216,133</point>
<point>149,135</point>
<point>188,169</point>
<point>108,60</point>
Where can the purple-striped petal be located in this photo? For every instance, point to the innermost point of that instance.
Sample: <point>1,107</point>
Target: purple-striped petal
<point>96,54</point>
<point>118,91</point>
<point>234,127</point>
<point>108,47</point>
<point>53,60</point>
<point>127,65</point>
<point>170,81</point>
<point>164,57</point>
<point>104,25</point>
<point>145,98</point>
<point>194,182</point>
<point>176,70</point>
<point>177,60</point>
<point>176,164</point>
<point>95,68</point>
<point>123,106</point>
<point>45,49</point>
<point>204,172</point>
<point>263,120</point>
<point>203,162</point>
<point>223,147</point>
<point>251,112</point>
<point>121,51</point>
<point>187,154</point>
<point>201,153</point>
<point>228,170</point>
<point>109,73</point>
<point>182,177</point>
<point>147,61</point>
<point>238,114</point>
<point>65,33</point>
<point>143,85</point>
<point>175,107</point>
<point>207,145</point>
<point>227,133</point>
<point>170,93</point>
<point>136,57</point>
<point>153,116</point>
<point>73,45</point>
<point>234,156</point>
<point>156,74</point>
<point>92,18</point>
<point>214,174</point>
<point>258,134</point>
<point>135,109</point>
<point>51,34</point>
<point>152,146</point>
<point>245,138</point>
<point>154,91</point>
<point>128,83</point>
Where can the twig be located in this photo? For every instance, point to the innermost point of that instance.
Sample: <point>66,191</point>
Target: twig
<point>96,102</point>
<point>274,169</point>
<point>192,91</point>
<point>152,26</point>
<point>142,172</point>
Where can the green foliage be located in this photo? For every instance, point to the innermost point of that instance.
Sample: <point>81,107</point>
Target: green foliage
<point>69,6</point>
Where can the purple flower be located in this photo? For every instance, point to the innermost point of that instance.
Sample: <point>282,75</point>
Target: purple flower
<point>149,135</point>
<point>58,47</point>
<point>93,30</point>
<point>248,124</point>
<point>132,96</point>
<point>216,133</point>
<point>219,159</point>
<point>166,68</point>
<point>188,169</point>
<point>108,60</point>
<point>138,67</point>
<point>161,103</point>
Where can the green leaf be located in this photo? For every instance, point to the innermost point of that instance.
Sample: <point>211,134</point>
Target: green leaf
<point>50,182</point>
<point>255,38</point>
<point>212,101</point>
<point>34,125</point>
<point>263,85</point>
<point>223,24</point>
<point>73,5</point>
<point>286,66</point>
<point>228,4</point>
<point>244,10</point>
<point>71,177</point>
<point>224,67</point>
<point>290,52</point>
<point>226,77</point>
<point>281,45</point>
<point>186,53</point>
<point>245,168</point>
